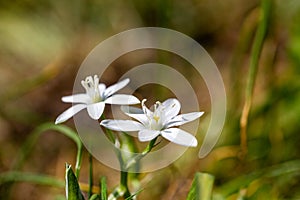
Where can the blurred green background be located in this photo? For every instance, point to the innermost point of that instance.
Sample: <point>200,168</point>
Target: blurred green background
<point>42,44</point>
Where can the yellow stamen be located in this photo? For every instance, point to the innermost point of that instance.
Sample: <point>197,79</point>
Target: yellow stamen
<point>156,118</point>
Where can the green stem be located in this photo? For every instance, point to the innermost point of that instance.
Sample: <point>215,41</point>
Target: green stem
<point>124,173</point>
<point>78,161</point>
<point>123,176</point>
<point>141,155</point>
<point>124,183</point>
<point>123,189</point>
<point>90,193</point>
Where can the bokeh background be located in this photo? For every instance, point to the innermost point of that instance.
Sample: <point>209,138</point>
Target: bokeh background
<point>42,44</point>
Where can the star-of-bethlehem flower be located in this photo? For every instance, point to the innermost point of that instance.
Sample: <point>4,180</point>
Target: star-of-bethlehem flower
<point>95,98</point>
<point>160,121</point>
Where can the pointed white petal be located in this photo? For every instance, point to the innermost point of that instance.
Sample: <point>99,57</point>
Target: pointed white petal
<point>76,98</point>
<point>131,110</point>
<point>172,108</point>
<point>147,135</point>
<point>70,112</point>
<point>179,136</point>
<point>122,99</point>
<point>135,113</point>
<point>182,119</point>
<point>114,88</point>
<point>145,109</point>
<point>101,88</point>
<point>122,125</point>
<point>95,110</point>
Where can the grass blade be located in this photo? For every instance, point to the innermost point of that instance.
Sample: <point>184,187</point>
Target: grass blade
<point>33,137</point>
<point>201,187</point>
<point>16,176</point>
<point>254,59</point>
<point>103,188</point>
<point>243,181</point>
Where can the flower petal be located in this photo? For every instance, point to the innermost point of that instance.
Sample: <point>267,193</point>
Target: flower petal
<point>114,88</point>
<point>182,119</point>
<point>122,99</point>
<point>135,113</point>
<point>101,88</point>
<point>122,125</point>
<point>70,112</point>
<point>172,108</point>
<point>179,136</point>
<point>95,110</point>
<point>147,135</point>
<point>146,111</point>
<point>131,110</point>
<point>76,98</point>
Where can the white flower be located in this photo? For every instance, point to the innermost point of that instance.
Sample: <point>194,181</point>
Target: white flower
<point>157,122</point>
<point>95,98</point>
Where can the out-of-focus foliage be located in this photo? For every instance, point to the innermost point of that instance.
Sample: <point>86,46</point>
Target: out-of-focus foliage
<point>42,44</point>
<point>201,187</point>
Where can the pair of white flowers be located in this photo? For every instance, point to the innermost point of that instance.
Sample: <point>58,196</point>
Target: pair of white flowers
<point>162,120</point>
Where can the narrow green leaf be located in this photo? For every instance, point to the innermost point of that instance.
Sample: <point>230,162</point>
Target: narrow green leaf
<point>95,197</point>
<point>90,192</point>
<point>135,194</point>
<point>28,145</point>
<point>72,187</point>
<point>236,184</point>
<point>103,188</point>
<point>118,192</point>
<point>201,187</point>
<point>41,179</point>
<point>257,47</point>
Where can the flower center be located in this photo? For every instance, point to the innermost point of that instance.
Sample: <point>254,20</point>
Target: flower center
<point>155,117</point>
<point>91,86</point>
